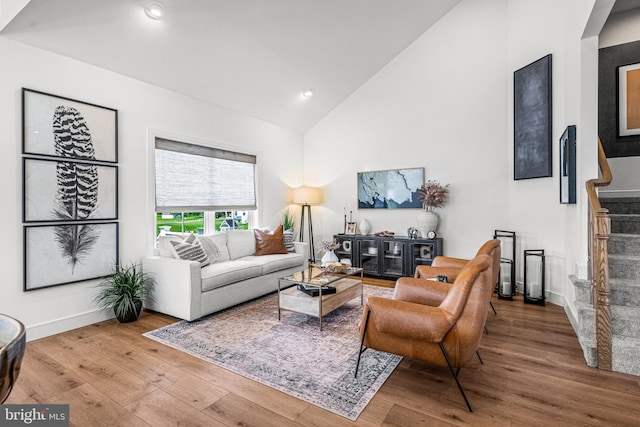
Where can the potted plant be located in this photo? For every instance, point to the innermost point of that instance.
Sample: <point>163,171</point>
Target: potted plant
<point>288,220</point>
<point>124,291</point>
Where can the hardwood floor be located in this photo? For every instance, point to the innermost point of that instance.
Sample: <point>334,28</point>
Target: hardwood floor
<point>533,374</point>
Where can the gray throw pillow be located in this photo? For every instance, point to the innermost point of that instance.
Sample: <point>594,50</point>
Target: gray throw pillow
<point>191,249</point>
<point>287,238</point>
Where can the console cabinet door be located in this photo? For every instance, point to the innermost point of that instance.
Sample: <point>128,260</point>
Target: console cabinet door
<point>393,258</point>
<point>368,256</point>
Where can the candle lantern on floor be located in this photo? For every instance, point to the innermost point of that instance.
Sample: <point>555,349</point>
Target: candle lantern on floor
<point>505,280</point>
<point>534,276</point>
<point>506,285</point>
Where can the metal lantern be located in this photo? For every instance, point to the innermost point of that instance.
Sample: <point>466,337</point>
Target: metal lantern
<point>534,273</point>
<point>506,285</point>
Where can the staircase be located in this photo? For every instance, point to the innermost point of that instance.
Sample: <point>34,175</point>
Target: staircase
<point>624,281</point>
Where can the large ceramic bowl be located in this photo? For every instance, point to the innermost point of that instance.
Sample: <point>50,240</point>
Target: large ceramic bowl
<point>12,345</point>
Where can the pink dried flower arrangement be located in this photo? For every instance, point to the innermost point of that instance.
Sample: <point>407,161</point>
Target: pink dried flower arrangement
<point>329,245</point>
<point>433,195</point>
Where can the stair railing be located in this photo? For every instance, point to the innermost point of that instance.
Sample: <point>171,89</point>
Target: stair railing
<point>599,232</point>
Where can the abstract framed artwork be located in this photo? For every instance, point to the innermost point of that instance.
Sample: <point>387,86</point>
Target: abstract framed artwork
<point>390,189</point>
<point>60,254</point>
<point>62,127</point>
<point>55,191</point>
<point>568,165</point>
<point>629,100</point>
<point>532,111</point>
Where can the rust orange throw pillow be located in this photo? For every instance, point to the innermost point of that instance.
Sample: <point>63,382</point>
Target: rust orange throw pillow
<point>267,244</point>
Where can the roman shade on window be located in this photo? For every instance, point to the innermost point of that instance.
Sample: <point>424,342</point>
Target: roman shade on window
<point>197,178</point>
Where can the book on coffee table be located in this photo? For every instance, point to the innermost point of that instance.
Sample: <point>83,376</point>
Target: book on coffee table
<point>314,291</point>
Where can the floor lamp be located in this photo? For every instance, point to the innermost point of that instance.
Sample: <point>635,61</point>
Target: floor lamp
<point>307,196</point>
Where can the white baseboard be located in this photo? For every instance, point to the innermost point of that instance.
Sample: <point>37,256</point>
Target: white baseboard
<point>42,330</point>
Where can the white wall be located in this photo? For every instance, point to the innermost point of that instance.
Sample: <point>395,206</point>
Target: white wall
<point>439,105</point>
<point>446,103</point>
<point>142,110</point>
<point>622,28</point>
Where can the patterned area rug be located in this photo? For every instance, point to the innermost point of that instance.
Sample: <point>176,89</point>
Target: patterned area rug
<point>292,355</point>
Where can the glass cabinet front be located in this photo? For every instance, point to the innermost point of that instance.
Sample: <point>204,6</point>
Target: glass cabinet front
<point>393,258</point>
<point>368,251</point>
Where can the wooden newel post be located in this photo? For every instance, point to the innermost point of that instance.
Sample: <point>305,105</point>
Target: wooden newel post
<point>602,291</point>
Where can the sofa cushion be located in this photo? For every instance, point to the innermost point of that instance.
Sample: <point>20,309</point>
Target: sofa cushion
<point>227,272</point>
<point>216,247</point>
<point>190,249</point>
<point>271,263</point>
<point>240,243</point>
<point>269,243</point>
<point>165,248</point>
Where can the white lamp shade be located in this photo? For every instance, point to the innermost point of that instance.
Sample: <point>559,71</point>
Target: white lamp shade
<point>306,195</point>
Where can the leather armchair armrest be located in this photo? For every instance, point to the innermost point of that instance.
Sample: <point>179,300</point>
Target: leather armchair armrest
<point>421,291</point>
<point>409,320</point>
<point>432,272</point>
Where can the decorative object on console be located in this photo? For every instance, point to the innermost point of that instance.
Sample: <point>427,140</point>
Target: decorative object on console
<point>351,228</point>
<point>568,165</point>
<point>507,278</point>
<point>433,195</point>
<point>307,196</point>
<point>124,291</point>
<point>534,273</point>
<point>532,120</point>
<point>329,247</point>
<point>364,227</point>
<point>389,189</point>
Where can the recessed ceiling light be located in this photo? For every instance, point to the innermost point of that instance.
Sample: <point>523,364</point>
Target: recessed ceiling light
<point>154,10</point>
<point>307,93</point>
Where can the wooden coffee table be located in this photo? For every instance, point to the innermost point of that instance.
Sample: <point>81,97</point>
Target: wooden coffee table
<point>348,286</point>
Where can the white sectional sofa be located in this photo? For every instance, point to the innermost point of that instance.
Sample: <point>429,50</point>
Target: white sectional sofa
<point>235,274</point>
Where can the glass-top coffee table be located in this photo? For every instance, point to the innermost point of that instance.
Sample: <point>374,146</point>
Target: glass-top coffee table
<point>332,289</point>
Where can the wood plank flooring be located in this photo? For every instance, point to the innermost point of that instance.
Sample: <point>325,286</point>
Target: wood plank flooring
<point>533,374</point>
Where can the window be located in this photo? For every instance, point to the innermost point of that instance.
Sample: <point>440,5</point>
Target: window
<point>201,188</point>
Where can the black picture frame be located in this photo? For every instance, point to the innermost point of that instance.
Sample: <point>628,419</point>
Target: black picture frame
<point>47,264</point>
<point>567,165</point>
<point>627,93</point>
<point>376,189</point>
<point>43,190</point>
<point>609,61</point>
<point>44,120</point>
<point>532,117</point>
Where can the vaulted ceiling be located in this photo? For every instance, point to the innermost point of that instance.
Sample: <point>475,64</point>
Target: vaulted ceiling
<point>250,56</point>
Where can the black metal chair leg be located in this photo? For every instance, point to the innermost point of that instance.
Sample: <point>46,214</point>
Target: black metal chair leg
<point>494,309</point>
<point>479,358</point>
<point>455,377</point>
<point>362,349</point>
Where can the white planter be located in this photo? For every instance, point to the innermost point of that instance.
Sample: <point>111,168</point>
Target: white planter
<point>364,227</point>
<point>427,221</point>
<point>328,257</point>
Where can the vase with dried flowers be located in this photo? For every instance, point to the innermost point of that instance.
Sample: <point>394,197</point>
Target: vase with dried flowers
<point>329,246</point>
<point>433,195</point>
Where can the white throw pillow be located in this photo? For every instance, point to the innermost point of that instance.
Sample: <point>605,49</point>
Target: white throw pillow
<point>241,243</point>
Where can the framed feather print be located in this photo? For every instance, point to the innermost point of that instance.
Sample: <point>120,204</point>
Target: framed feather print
<point>66,253</point>
<point>62,127</point>
<point>55,190</point>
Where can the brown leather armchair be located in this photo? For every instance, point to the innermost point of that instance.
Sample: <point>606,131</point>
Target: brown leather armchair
<point>451,267</point>
<point>447,334</point>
